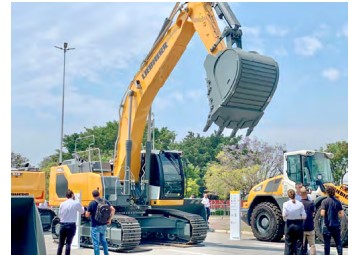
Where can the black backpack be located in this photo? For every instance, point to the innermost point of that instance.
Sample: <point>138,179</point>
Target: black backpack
<point>103,212</point>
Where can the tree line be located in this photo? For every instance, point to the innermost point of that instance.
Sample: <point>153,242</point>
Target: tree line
<point>214,163</point>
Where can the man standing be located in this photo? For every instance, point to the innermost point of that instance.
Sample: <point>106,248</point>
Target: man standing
<point>206,203</point>
<point>309,233</point>
<point>332,210</point>
<point>298,187</point>
<point>68,217</point>
<point>293,213</point>
<point>98,230</point>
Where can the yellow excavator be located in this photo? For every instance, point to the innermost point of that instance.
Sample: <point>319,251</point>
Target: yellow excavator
<point>262,209</point>
<point>147,186</point>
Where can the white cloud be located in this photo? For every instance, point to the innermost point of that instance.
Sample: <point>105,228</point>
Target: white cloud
<point>307,45</point>
<point>281,52</point>
<point>251,31</point>
<point>332,74</point>
<point>196,95</point>
<point>343,31</point>
<point>276,31</point>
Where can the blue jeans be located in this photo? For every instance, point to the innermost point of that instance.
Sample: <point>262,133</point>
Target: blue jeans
<point>99,235</point>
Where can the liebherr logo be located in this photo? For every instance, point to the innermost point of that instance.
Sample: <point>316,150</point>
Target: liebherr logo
<point>155,59</point>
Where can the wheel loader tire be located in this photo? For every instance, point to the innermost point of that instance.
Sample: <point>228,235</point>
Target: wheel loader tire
<point>318,225</point>
<point>267,223</point>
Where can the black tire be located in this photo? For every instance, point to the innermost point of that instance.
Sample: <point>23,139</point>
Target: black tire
<point>267,223</point>
<point>55,228</point>
<point>46,217</point>
<point>318,223</point>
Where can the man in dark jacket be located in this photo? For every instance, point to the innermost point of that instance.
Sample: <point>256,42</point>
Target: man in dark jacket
<point>309,233</point>
<point>98,230</point>
<point>332,210</point>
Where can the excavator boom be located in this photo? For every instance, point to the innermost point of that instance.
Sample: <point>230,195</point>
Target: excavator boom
<point>240,84</point>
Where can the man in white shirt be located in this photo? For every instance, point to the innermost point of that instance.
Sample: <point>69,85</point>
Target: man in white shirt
<point>68,217</point>
<point>206,203</point>
<point>293,213</point>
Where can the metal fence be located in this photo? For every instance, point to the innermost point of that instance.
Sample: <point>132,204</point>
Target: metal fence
<point>219,207</point>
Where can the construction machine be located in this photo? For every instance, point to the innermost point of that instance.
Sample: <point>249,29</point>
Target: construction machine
<point>30,181</point>
<point>147,187</point>
<point>262,209</point>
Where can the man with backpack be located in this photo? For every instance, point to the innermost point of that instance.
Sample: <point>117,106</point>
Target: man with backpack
<point>101,212</point>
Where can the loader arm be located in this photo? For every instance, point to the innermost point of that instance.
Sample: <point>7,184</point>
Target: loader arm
<point>159,63</point>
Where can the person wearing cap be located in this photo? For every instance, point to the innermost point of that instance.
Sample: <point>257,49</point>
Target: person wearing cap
<point>293,213</point>
<point>308,225</point>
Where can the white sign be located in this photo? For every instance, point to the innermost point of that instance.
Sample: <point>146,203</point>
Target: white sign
<point>235,215</point>
<point>76,238</point>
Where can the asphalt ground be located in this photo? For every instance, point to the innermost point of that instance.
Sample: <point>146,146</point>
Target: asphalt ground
<point>217,242</point>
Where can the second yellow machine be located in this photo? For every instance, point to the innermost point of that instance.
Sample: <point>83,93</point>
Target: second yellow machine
<point>147,187</point>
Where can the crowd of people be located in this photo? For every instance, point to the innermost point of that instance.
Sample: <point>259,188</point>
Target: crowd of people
<point>299,212</point>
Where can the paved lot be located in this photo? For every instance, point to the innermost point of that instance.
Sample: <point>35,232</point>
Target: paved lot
<point>216,243</point>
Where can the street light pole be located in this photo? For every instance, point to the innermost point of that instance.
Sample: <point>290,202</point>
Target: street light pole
<point>65,49</point>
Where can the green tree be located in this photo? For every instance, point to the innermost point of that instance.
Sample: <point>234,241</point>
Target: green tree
<point>45,166</point>
<point>339,163</point>
<point>164,138</point>
<point>199,151</point>
<point>241,166</point>
<point>104,139</point>
<point>18,160</point>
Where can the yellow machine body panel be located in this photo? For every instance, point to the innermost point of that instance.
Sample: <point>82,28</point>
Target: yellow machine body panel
<point>61,179</point>
<point>271,186</point>
<point>341,192</point>
<point>157,202</point>
<point>28,183</point>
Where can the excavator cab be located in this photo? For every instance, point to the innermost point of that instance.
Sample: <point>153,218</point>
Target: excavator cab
<point>166,175</point>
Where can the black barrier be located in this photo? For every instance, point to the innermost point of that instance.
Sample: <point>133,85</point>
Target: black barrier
<point>26,227</point>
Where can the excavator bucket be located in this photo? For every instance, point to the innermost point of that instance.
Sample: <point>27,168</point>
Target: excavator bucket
<point>240,86</point>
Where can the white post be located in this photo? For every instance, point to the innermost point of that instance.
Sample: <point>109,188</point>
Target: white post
<point>76,238</point>
<point>235,215</point>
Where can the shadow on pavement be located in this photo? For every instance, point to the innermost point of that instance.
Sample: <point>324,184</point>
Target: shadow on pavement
<point>208,244</point>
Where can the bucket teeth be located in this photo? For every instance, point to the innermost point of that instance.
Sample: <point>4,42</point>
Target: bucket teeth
<point>207,125</point>
<point>220,131</point>
<point>233,134</point>
<point>240,86</point>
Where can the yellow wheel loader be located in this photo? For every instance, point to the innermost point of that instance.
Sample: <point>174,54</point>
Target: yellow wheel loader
<point>262,209</point>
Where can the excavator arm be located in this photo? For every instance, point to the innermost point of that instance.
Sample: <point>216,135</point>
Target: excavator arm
<point>240,84</point>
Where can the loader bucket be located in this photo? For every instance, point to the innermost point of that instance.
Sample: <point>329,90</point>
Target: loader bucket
<point>240,86</point>
<point>26,228</point>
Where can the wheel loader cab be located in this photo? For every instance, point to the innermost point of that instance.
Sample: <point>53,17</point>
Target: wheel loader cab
<point>310,168</point>
<point>166,175</point>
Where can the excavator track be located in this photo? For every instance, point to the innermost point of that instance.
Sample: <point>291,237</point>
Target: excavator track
<point>123,234</point>
<point>198,226</point>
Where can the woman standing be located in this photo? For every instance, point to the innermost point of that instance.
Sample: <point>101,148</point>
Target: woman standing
<point>293,213</point>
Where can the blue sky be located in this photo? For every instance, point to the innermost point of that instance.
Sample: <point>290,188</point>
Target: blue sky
<point>308,40</point>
